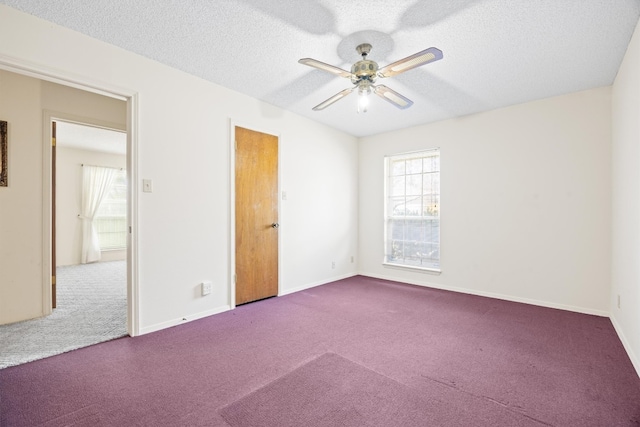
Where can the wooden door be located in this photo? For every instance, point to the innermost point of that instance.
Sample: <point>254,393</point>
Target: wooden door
<point>256,215</point>
<point>53,214</point>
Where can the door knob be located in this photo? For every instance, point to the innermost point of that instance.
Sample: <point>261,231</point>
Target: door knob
<point>275,225</point>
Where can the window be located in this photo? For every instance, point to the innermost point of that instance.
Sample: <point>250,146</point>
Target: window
<point>111,218</point>
<point>412,210</point>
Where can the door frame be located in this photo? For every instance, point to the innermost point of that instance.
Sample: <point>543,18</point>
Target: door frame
<point>67,78</point>
<point>232,205</point>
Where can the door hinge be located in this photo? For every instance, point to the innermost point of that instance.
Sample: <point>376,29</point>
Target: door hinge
<point>53,142</point>
<point>235,145</point>
<point>53,280</point>
<point>129,229</point>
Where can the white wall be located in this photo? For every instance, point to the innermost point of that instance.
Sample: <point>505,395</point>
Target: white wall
<point>69,163</point>
<point>183,146</point>
<point>525,202</point>
<point>626,202</point>
<point>20,213</point>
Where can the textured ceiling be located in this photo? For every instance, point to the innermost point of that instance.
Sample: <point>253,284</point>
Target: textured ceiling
<point>496,52</point>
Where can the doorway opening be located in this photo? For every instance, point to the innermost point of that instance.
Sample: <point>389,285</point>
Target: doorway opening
<point>61,105</point>
<point>89,228</point>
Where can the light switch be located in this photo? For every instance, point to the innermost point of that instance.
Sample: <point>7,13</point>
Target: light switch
<point>147,186</point>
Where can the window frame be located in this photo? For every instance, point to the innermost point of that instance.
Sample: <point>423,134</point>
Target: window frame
<point>431,267</point>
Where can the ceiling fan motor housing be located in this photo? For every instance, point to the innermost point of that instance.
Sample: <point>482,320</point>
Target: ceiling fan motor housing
<point>364,70</point>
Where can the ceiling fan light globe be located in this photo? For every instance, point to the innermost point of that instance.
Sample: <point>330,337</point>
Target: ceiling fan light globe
<point>363,102</point>
<point>364,90</point>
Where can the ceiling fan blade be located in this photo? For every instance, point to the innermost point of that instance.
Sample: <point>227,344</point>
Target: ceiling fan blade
<point>426,56</point>
<point>393,97</point>
<point>325,67</point>
<point>338,96</point>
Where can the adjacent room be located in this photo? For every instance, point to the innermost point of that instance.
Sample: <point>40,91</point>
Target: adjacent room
<point>418,213</point>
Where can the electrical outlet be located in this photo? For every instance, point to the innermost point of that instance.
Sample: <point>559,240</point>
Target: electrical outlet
<point>351,259</point>
<point>618,301</point>
<point>333,264</point>
<point>206,287</point>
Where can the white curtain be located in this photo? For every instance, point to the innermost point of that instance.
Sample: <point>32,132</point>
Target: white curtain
<point>96,183</point>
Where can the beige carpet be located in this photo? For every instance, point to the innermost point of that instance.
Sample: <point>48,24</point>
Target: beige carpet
<point>91,308</point>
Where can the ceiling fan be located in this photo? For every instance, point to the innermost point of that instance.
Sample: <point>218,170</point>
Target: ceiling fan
<point>364,73</point>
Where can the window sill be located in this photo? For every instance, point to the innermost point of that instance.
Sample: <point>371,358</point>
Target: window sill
<point>435,271</point>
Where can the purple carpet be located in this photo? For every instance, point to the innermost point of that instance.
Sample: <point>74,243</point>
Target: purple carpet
<point>333,391</point>
<point>399,352</point>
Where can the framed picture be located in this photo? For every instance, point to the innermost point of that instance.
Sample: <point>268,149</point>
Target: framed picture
<point>3,154</point>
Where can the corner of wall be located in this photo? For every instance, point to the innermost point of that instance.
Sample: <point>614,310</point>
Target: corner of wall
<point>635,360</point>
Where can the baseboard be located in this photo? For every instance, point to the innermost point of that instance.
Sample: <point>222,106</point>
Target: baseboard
<point>182,320</point>
<point>314,284</point>
<point>546,304</point>
<point>635,361</point>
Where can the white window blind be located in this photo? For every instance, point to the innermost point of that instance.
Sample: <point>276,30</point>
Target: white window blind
<point>111,218</point>
<point>412,210</point>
